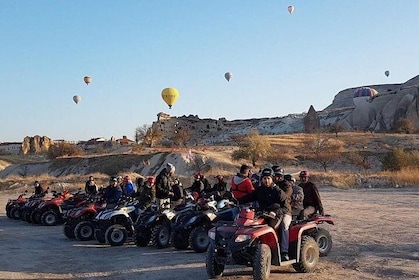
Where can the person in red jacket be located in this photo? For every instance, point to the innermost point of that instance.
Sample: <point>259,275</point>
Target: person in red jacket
<point>241,183</point>
<point>311,202</point>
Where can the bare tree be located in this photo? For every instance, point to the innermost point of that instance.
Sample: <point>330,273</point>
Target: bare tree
<point>324,149</point>
<point>148,135</point>
<point>181,137</point>
<point>199,163</point>
<point>254,148</point>
<point>141,132</point>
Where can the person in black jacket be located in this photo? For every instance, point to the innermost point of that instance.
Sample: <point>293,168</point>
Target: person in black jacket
<point>90,186</point>
<point>113,192</point>
<point>163,184</point>
<point>39,191</point>
<point>270,199</point>
<point>177,190</point>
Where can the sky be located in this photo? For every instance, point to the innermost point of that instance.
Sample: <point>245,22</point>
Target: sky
<point>281,63</point>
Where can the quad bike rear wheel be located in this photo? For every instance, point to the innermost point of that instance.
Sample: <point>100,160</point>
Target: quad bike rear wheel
<point>324,240</point>
<point>199,239</point>
<point>84,231</point>
<point>142,237</point>
<point>161,235</point>
<point>309,255</point>
<point>214,269</point>
<point>181,241</point>
<point>68,231</point>
<point>116,235</point>
<point>49,218</point>
<point>262,262</point>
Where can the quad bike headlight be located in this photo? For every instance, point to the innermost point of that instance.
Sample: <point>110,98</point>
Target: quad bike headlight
<point>242,238</point>
<point>151,219</point>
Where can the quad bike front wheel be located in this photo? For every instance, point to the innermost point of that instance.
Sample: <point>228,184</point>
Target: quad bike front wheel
<point>84,231</point>
<point>324,240</point>
<point>14,213</point>
<point>199,239</point>
<point>309,255</point>
<point>262,262</point>
<point>100,236</point>
<point>49,218</point>
<point>116,235</point>
<point>214,269</point>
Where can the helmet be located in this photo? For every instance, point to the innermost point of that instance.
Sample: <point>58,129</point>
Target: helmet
<point>288,177</point>
<point>278,171</point>
<point>222,203</point>
<point>219,177</point>
<point>304,173</point>
<point>113,178</point>
<point>198,175</point>
<point>266,172</point>
<point>151,179</point>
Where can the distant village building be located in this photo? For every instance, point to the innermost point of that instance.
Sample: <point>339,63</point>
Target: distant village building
<point>311,121</point>
<point>125,141</point>
<point>13,148</point>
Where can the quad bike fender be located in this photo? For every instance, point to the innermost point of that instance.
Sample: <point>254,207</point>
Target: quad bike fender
<point>324,219</point>
<point>304,229</point>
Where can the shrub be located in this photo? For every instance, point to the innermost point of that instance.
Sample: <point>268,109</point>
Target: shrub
<point>399,159</point>
<point>64,149</point>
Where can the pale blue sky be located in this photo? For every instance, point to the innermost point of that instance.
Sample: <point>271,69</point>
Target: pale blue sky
<point>281,63</point>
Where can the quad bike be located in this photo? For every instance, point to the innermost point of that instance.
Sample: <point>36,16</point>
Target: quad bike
<point>27,211</point>
<point>52,212</point>
<point>252,240</point>
<point>115,226</point>
<point>321,235</point>
<point>155,225</point>
<point>13,206</point>
<point>191,230</point>
<point>79,223</point>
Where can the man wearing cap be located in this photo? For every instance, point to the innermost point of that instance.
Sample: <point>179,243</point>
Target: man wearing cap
<point>113,192</point>
<point>163,184</point>
<point>241,184</point>
<point>312,202</point>
<point>271,199</point>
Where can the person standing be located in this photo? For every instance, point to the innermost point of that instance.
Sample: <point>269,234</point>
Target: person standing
<point>311,202</point>
<point>38,190</point>
<point>241,183</point>
<point>163,184</point>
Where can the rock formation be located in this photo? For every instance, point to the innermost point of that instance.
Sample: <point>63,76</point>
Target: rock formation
<point>36,144</point>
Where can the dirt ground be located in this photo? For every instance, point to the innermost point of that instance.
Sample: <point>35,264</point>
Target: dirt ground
<point>376,236</point>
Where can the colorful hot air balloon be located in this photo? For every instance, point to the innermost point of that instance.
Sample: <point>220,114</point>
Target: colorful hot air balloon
<point>77,99</point>
<point>170,95</point>
<point>290,9</point>
<point>228,76</point>
<point>87,80</point>
<point>387,73</point>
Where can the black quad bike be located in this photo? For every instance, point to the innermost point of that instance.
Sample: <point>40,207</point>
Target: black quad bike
<point>252,240</point>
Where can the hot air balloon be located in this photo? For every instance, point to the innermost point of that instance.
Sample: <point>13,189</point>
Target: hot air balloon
<point>228,76</point>
<point>170,95</point>
<point>387,73</point>
<point>76,98</point>
<point>87,80</point>
<point>290,9</point>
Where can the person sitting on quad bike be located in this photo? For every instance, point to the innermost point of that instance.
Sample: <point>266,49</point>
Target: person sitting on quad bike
<point>129,186</point>
<point>241,184</point>
<point>178,196</point>
<point>271,199</point>
<point>113,192</point>
<point>297,198</point>
<point>312,202</point>
<point>147,194</point>
<point>90,187</point>
<point>38,190</point>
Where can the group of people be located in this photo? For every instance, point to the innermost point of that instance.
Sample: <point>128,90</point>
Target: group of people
<point>278,194</point>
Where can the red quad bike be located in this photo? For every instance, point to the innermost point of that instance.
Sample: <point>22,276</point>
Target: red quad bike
<point>13,206</point>
<point>252,242</point>
<point>79,224</point>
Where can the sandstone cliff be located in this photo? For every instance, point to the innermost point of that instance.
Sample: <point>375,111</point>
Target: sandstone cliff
<point>36,144</point>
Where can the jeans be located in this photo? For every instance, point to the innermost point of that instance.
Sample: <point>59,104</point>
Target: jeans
<point>285,236</point>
